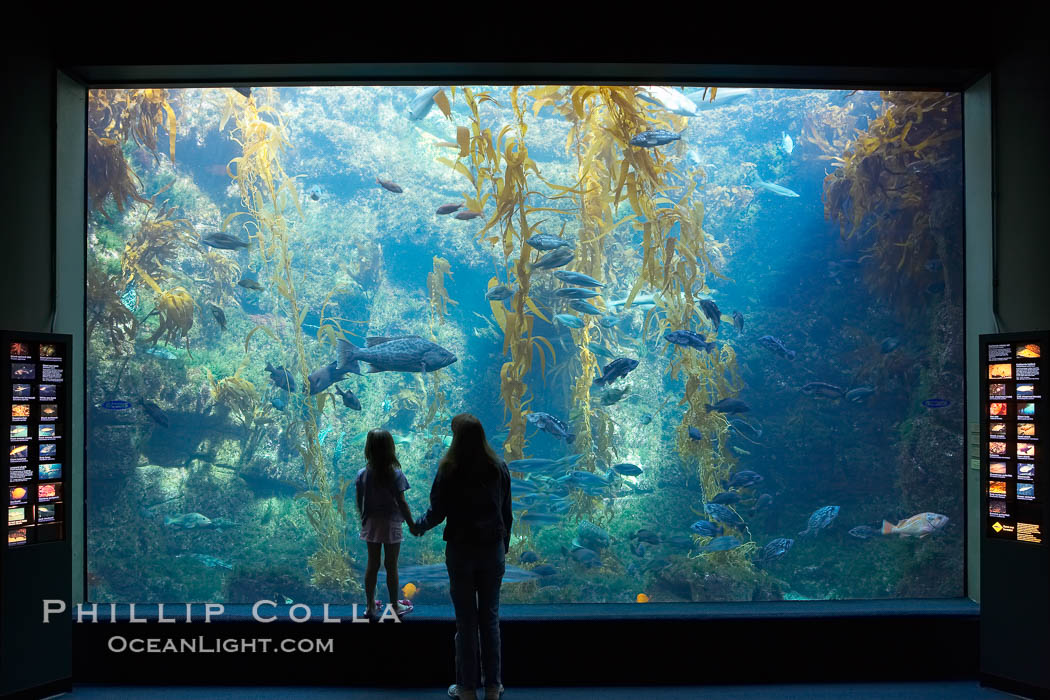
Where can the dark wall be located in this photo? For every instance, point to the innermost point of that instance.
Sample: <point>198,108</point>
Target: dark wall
<point>1022,113</point>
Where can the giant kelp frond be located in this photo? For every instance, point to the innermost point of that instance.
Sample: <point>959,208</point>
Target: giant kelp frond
<point>439,298</point>
<point>109,175</point>
<point>892,199</point>
<point>154,244</point>
<point>106,311</point>
<point>175,307</point>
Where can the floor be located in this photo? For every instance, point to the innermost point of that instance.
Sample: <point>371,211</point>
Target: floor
<point>874,691</point>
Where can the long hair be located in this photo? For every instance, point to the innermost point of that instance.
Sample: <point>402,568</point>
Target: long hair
<point>470,451</point>
<point>381,455</point>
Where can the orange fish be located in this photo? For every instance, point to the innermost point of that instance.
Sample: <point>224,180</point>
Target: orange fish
<point>919,525</point>
<point>641,598</point>
<point>409,589</point>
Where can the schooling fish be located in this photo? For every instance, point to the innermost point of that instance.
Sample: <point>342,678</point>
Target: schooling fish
<point>610,321</point>
<point>706,528</point>
<point>577,278</point>
<point>620,367</point>
<point>743,479</point>
<point>859,394</point>
<point>556,258</point>
<point>406,353</point>
<point>919,525</point>
<point>467,215</point>
<point>550,424</point>
<point>576,293</point>
<point>569,320</point>
<point>685,338</point>
<point>775,189</point>
<point>224,241</point>
<point>500,292</point>
<point>655,137</point>
<point>670,99</point>
<point>585,307</point>
<point>546,241</point>
<point>349,400</point>
<point>390,186</point>
<point>721,544</point>
<point>627,469</point>
<point>822,390</point>
<point>641,301</point>
<point>449,208</point>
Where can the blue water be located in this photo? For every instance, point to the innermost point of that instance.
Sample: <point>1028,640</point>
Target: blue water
<point>883,456</point>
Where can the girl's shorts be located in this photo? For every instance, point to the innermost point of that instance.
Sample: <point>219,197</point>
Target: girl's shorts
<point>382,530</point>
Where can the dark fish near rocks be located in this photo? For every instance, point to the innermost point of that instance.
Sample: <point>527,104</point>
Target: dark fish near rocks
<point>610,397</point>
<point>654,137</point>
<point>706,528</point>
<point>822,390</point>
<point>545,241</point>
<point>550,424</point>
<point>324,377</point>
<point>251,284</point>
<point>281,377</point>
<point>556,258</point>
<point>775,549</point>
<point>743,479</point>
<point>349,400</point>
<point>218,314</point>
<point>448,208</point>
<point>864,532</point>
<point>647,536</point>
<point>627,469</point>
<point>406,353</point>
<point>577,278</point>
<point>859,394</point>
<point>889,345</point>
<point>721,544</point>
<point>154,412</point>
<point>763,502</point>
<point>723,514</point>
<point>620,367</point>
<point>820,519</point>
<point>646,419</point>
<point>576,293</point>
<point>389,186</point>
<point>687,339</point>
<point>467,215</point>
<point>727,498</point>
<point>728,406</point>
<point>738,321</point>
<point>711,311</point>
<point>695,433</point>
<point>224,241</point>
<point>528,557</point>
<point>776,346</point>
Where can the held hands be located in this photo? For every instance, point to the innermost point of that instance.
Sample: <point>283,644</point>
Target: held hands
<point>415,529</point>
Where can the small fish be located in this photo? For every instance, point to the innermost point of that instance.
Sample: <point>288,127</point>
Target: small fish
<point>500,292</point>
<point>224,241</point>
<point>763,502</point>
<point>642,301</point>
<point>695,433</point>
<point>711,311</point>
<point>619,367</point>
<point>722,543</point>
<point>448,208</point>
<point>775,189</point>
<point>936,403</point>
<point>576,293</point>
<point>550,424</point>
<point>206,559</point>
<point>558,257</point>
<point>641,598</point>
<point>585,307</point>
<point>889,345</point>
<point>727,498</point>
<point>528,557</point>
<point>647,536</point>
<point>162,353</point>
<point>249,283</point>
<point>349,400</point>
<point>686,339</point>
<point>864,532</point>
<point>545,570</point>
<point>822,390</point>
<point>422,103</point>
<point>776,346</point>
<point>738,321</point>
<point>187,521</point>
<point>281,377</point>
<point>409,590</point>
<point>646,419</point>
<point>467,215</point>
<point>279,403</point>
<point>775,549</point>
<point>859,394</point>
<point>741,451</point>
<point>786,143</point>
<point>601,352</point>
<point>723,514</point>
<point>654,138</point>
<point>539,520</point>
<point>219,314</point>
<point>577,278</point>
<point>546,241</point>
<point>569,320</point>
<point>610,397</point>
<point>919,525</point>
<point>325,376</point>
<point>610,321</point>
<point>314,193</point>
<point>743,479</point>
<point>707,528</point>
<point>390,186</point>
<point>627,469</point>
<point>820,519</point>
<point>728,406</point>
<point>154,412</point>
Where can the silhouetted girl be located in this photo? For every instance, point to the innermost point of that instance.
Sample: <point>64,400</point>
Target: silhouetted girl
<point>381,502</point>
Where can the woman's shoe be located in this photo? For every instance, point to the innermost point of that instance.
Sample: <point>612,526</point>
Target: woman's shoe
<point>494,692</point>
<point>457,693</point>
<point>403,607</point>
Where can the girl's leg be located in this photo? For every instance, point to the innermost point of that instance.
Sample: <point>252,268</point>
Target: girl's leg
<point>390,562</point>
<point>372,572</point>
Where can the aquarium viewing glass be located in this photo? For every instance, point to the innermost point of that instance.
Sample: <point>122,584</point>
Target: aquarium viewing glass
<point>724,327</point>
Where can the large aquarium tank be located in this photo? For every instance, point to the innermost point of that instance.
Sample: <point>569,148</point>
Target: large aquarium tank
<point>716,333</point>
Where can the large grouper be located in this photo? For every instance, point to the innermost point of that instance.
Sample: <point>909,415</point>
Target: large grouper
<point>404,353</point>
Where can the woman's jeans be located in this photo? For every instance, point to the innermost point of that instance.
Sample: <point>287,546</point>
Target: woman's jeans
<point>475,572</point>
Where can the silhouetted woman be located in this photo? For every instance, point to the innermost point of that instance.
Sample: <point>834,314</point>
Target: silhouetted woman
<point>380,490</point>
<point>472,490</point>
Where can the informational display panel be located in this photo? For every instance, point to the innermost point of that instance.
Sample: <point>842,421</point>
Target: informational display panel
<point>35,406</point>
<point>1015,558</point>
<point>1013,424</point>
